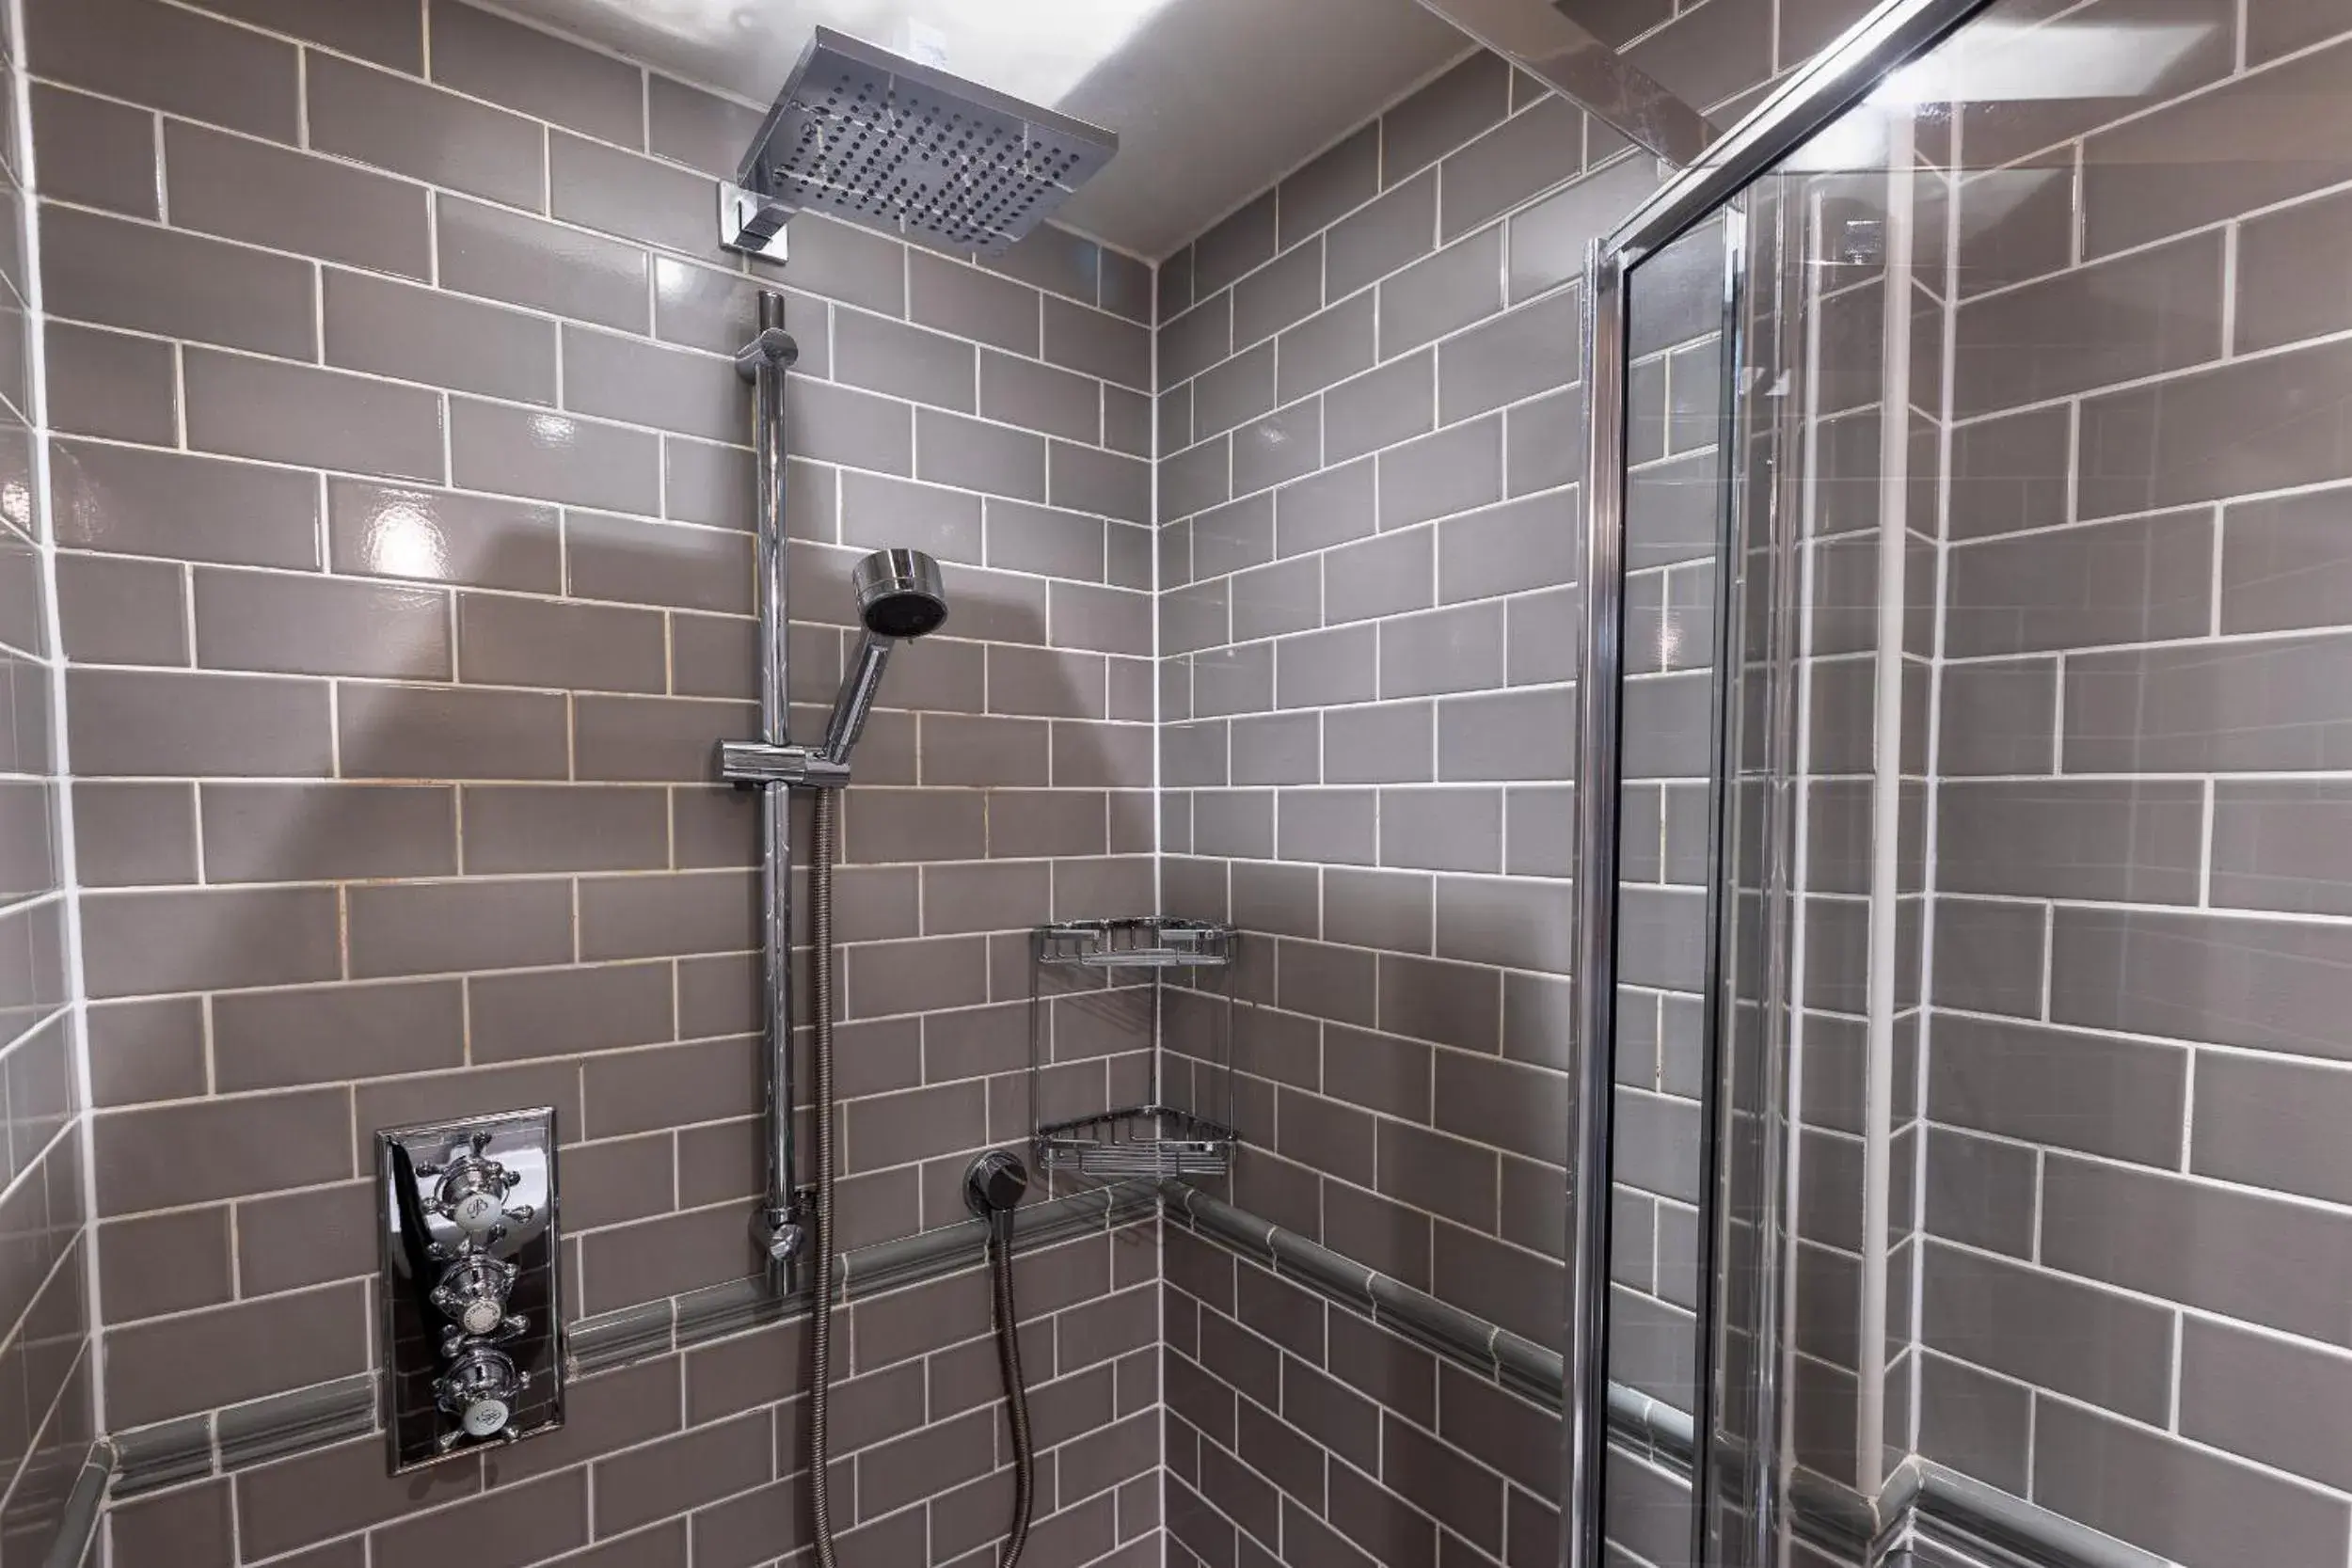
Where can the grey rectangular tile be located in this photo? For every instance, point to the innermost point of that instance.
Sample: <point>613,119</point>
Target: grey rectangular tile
<point>1999,718</point>
<point>1398,229</point>
<point>972,304</point>
<point>1237,244</point>
<point>2140,315</point>
<point>1333,506</point>
<point>2068,588</point>
<point>1275,296</point>
<point>187,63</point>
<point>270,832</point>
<point>2266,1398</point>
<point>1452,471</point>
<point>1381,408</point>
<point>622,378</point>
<point>1520,735</point>
<point>538,73</point>
<point>440,536</point>
<point>111,385</point>
<point>2275,846</point>
<point>2116,1098</point>
<point>1318,669</point>
<point>657,564</point>
<point>280,1040</point>
<point>248,190</point>
<point>2243,427</point>
<point>1036,397</point>
<point>628,195</point>
<point>2124,202</point>
<point>95,151</point>
<point>1989,956</point>
<point>1283,444</point>
<point>1338,180</point>
<point>523,261</point>
<point>1982,1192</point>
<point>2141,842</point>
<point>269,621</point>
<point>2277,300</point>
<point>1530,350</point>
<point>1233,392</point>
<point>2230,981</point>
<point>133,834</point>
<point>375,116</point>
<point>1327,347</point>
<point>1451,290</point>
<point>1974,1422</point>
<point>1528,543</point>
<point>177,1365</point>
<point>411,732</point>
<point>2270,1124</point>
<point>439,928</point>
<point>147,943</point>
<point>243,407</point>
<point>553,457</point>
<point>1380,576</point>
<point>840,424</point>
<point>2277,573</point>
<point>1549,239</point>
<point>113,610</point>
<point>424,335</point>
<point>2048,1330</point>
<point>1453,649</point>
<point>2267,1260</point>
<point>116,274</point>
<point>1192,341</point>
<point>128,723</point>
<point>514,641</point>
<point>2195,707</point>
<point>1444,113</point>
<point>1097,344</point>
<point>1107,483</point>
<point>562,1012</point>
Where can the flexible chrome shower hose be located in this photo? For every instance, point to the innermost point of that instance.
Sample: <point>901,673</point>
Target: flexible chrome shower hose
<point>1016,1392</point>
<point>999,1245</point>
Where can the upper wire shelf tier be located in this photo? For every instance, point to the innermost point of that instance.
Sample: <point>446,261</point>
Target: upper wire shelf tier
<point>1153,942</point>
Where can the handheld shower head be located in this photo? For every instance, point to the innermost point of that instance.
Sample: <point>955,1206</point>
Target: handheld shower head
<point>900,596</point>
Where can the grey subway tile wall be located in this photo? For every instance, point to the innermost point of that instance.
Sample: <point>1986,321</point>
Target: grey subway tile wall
<point>403,492</point>
<point>1388,815</point>
<point>48,1348</point>
<point>2126,1059</point>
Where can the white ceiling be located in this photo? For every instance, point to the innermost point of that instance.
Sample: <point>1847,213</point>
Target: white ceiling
<point>1212,99</point>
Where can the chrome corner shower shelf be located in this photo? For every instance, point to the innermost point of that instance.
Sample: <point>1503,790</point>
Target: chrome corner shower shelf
<point>1153,1139</point>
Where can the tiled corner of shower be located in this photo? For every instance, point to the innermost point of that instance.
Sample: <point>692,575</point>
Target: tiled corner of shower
<point>48,1415</point>
<point>1371,436</point>
<point>402,499</point>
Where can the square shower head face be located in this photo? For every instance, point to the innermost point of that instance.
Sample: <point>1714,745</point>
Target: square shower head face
<point>870,137</point>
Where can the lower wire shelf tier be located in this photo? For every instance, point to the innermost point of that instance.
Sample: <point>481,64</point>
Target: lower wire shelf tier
<point>1138,1141</point>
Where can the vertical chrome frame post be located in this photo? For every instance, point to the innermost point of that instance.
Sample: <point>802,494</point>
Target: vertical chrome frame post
<point>1599,776</point>
<point>1894,32</point>
<point>766,361</point>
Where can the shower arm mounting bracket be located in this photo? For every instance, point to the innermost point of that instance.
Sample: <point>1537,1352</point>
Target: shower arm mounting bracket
<point>756,762</point>
<point>752,223</point>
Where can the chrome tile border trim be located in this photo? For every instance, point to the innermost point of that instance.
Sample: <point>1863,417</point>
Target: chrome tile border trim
<point>76,1540</point>
<point>218,1442</point>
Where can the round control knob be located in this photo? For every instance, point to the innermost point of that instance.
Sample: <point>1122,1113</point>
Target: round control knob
<point>479,1390</point>
<point>471,1191</point>
<point>473,1293</point>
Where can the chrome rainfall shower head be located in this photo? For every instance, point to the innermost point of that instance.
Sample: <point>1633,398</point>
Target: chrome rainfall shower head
<point>900,596</point>
<point>878,139</point>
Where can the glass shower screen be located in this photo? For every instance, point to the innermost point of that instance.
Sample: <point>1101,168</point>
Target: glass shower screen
<point>1981,920</point>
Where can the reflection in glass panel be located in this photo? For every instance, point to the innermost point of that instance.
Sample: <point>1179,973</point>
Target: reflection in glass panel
<point>2037,799</point>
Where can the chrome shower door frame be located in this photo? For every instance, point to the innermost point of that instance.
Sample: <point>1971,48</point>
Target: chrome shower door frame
<point>1735,1474</point>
